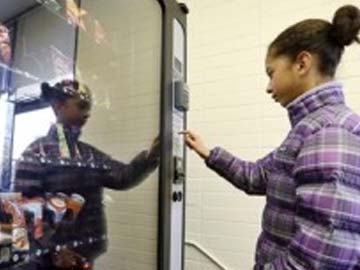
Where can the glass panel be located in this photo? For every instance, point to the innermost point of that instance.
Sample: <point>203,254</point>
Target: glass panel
<point>122,67</point>
<point>81,107</point>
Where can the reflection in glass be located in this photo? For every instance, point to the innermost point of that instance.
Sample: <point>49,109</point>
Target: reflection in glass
<point>66,176</point>
<point>57,211</point>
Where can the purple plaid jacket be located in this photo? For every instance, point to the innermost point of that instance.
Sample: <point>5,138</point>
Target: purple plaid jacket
<point>311,220</point>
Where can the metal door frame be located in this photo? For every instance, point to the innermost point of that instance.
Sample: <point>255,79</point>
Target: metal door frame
<point>171,11</point>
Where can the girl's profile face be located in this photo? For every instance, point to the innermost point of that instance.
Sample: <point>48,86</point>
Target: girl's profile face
<point>74,111</point>
<point>283,79</point>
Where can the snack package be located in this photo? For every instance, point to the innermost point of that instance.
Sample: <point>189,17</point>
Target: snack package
<point>14,242</point>
<point>74,204</point>
<point>5,243</point>
<point>20,241</point>
<point>34,207</point>
<point>56,205</point>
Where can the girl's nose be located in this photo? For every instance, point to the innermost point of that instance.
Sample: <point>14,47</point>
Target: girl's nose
<point>269,88</point>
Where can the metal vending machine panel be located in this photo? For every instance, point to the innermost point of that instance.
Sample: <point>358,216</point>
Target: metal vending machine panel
<point>180,106</point>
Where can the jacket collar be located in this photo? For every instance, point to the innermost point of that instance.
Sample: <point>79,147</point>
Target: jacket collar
<point>71,133</point>
<point>326,94</point>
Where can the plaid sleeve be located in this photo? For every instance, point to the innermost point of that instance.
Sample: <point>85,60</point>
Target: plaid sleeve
<point>123,176</point>
<point>250,177</point>
<point>327,174</point>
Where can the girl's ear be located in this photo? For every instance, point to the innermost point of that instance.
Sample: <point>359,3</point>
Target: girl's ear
<point>304,62</point>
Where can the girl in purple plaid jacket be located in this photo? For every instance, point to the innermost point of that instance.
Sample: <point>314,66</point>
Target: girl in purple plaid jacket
<point>311,219</point>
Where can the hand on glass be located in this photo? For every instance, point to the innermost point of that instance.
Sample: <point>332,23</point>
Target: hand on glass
<point>194,142</point>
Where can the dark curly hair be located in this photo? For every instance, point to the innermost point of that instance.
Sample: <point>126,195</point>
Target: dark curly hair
<point>326,40</point>
<point>63,90</point>
<point>51,93</point>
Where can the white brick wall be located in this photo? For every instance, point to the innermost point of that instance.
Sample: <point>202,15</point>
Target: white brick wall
<point>227,42</point>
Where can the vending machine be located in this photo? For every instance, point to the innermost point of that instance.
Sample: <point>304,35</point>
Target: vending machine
<point>93,98</point>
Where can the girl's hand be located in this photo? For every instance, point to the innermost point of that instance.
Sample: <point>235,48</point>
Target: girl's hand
<point>193,141</point>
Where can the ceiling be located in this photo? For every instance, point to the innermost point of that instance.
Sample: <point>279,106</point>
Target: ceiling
<point>11,8</point>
